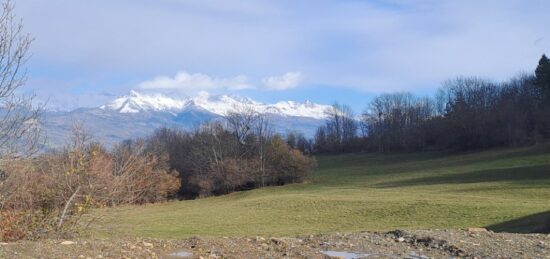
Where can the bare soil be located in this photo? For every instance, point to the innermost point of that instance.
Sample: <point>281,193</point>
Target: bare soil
<point>474,243</point>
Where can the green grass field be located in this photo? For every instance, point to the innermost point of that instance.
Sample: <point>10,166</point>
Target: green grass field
<point>360,192</point>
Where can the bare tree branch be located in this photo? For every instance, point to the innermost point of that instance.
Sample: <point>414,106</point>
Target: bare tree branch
<point>20,132</point>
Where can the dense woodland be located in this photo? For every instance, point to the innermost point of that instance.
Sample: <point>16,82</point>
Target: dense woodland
<point>466,113</point>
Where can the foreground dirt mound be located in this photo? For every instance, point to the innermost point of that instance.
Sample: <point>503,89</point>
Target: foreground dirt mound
<point>475,243</point>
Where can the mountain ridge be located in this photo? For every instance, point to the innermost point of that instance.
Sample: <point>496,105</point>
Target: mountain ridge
<point>137,115</point>
<point>220,105</point>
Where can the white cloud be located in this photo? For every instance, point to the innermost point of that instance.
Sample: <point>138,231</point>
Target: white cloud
<point>373,46</point>
<point>283,82</point>
<point>186,81</point>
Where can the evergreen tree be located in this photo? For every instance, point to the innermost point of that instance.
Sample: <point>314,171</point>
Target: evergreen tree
<point>542,80</point>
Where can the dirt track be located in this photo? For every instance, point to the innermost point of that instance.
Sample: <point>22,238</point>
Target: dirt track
<point>395,244</point>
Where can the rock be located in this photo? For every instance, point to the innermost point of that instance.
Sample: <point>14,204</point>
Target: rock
<point>68,243</point>
<point>3,244</point>
<point>147,244</point>
<point>278,241</point>
<point>477,230</point>
<point>401,239</point>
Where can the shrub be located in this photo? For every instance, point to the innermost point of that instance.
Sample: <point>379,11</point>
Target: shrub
<point>49,193</point>
<point>287,165</point>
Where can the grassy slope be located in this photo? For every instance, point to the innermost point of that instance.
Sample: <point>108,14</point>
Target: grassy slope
<point>360,192</point>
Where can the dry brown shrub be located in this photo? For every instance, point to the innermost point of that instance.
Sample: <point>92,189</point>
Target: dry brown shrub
<point>225,176</point>
<point>49,193</point>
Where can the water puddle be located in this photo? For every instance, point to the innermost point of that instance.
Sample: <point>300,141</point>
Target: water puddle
<point>178,254</point>
<point>414,255</point>
<point>349,255</point>
<point>345,255</point>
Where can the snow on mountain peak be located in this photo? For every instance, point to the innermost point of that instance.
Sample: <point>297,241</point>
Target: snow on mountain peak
<point>137,102</point>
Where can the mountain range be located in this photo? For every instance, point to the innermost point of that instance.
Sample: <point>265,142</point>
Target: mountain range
<point>138,114</point>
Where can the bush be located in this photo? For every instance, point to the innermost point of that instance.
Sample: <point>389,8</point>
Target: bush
<point>49,193</point>
<point>287,165</point>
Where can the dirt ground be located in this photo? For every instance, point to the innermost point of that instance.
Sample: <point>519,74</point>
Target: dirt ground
<point>473,243</point>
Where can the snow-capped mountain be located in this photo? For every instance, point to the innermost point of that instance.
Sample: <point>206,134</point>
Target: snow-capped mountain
<point>220,105</point>
<point>138,115</point>
<point>136,102</point>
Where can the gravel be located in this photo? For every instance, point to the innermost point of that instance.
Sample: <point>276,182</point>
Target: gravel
<point>476,243</point>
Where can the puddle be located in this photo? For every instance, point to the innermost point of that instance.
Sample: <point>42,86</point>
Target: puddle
<point>345,255</point>
<point>178,254</point>
<point>414,255</point>
<point>349,255</point>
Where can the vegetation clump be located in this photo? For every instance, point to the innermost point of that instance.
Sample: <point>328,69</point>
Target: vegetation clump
<point>240,153</point>
<point>48,194</point>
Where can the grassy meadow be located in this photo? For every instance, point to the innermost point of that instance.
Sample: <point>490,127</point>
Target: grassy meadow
<point>357,192</point>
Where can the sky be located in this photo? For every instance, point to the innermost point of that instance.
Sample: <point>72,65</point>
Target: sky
<point>86,53</point>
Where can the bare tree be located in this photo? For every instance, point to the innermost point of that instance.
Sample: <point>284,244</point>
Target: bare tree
<point>241,120</point>
<point>340,127</point>
<point>264,133</point>
<point>19,125</point>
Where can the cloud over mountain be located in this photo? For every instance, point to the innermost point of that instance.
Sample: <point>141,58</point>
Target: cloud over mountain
<point>283,82</point>
<point>197,81</point>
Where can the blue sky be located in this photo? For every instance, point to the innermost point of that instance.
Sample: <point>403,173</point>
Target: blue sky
<point>87,52</point>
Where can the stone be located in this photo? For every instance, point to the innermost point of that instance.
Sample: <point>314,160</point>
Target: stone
<point>278,241</point>
<point>401,239</point>
<point>477,230</point>
<point>147,244</point>
<point>68,243</point>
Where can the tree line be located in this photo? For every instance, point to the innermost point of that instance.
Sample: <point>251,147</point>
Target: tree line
<point>240,152</point>
<point>466,113</point>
